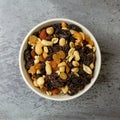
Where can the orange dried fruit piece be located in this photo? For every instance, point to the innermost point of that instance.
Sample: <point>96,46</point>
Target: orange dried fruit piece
<point>56,58</point>
<point>61,54</point>
<point>41,58</point>
<point>54,65</point>
<point>64,25</point>
<point>63,75</point>
<point>55,91</point>
<point>78,36</point>
<point>88,39</point>
<point>37,66</point>
<point>32,40</point>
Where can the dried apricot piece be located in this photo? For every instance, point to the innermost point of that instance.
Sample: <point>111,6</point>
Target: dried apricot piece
<point>56,58</point>
<point>41,58</point>
<point>43,34</point>
<point>54,65</point>
<point>32,70</point>
<point>37,66</point>
<point>77,35</point>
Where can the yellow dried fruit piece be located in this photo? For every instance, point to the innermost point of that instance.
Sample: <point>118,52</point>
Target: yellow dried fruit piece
<point>61,54</point>
<point>32,40</point>
<point>63,75</point>
<point>78,36</point>
<point>38,48</point>
<point>64,25</point>
<point>32,70</point>
<point>88,39</point>
<point>56,58</point>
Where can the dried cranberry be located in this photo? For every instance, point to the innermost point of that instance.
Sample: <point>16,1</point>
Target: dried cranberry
<point>74,27</point>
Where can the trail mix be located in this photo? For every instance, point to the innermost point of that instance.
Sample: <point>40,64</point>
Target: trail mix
<point>60,59</point>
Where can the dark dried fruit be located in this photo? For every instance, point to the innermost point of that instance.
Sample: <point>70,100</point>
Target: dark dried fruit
<point>64,34</point>
<point>72,39</point>
<point>29,63</point>
<point>27,55</point>
<point>66,48</point>
<point>36,34</point>
<point>74,27</point>
<point>49,58</point>
<point>57,28</point>
<point>36,76</point>
<point>42,69</point>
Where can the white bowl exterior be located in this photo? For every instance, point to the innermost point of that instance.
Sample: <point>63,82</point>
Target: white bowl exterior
<point>26,76</point>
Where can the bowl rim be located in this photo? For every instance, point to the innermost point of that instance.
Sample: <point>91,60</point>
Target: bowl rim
<point>97,48</point>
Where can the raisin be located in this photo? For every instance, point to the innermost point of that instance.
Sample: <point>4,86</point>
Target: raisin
<point>50,49</point>
<point>85,42</point>
<point>72,39</point>
<point>49,37</point>
<point>57,28</point>
<point>64,34</point>
<point>29,63</point>
<point>36,76</point>
<point>36,34</point>
<point>66,48</point>
<point>74,27</point>
<point>56,48</point>
<point>49,57</point>
<point>27,55</point>
<point>42,69</point>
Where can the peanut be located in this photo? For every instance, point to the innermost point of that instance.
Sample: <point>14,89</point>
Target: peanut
<point>48,68</point>
<point>89,46</point>
<point>62,69</point>
<point>92,65</point>
<point>50,30</point>
<point>47,43</point>
<point>75,70</point>
<point>35,83</point>
<point>40,81</point>
<point>54,40</point>
<point>72,31</point>
<point>64,89</point>
<point>71,44</point>
<point>62,42</point>
<point>38,48</point>
<point>76,55</point>
<point>75,63</point>
<point>71,51</point>
<point>63,75</point>
<point>45,49</point>
<point>87,69</point>
<point>61,64</point>
<point>64,25</point>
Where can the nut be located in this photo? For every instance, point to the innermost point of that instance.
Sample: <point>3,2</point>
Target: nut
<point>38,48</point>
<point>58,72</point>
<point>40,81</point>
<point>72,31</point>
<point>75,63</point>
<point>76,74</point>
<point>71,44</point>
<point>62,69</point>
<point>61,64</point>
<point>64,25</point>
<point>71,51</point>
<point>35,83</point>
<point>75,70</point>
<point>64,89</point>
<point>87,69</point>
<point>94,49</point>
<point>32,40</point>
<point>48,93</point>
<point>92,65</point>
<point>36,61</point>
<point>54,40</point>
<point>48,68</point>
<point>70,58</point>
<point>62,42</point>
<point>76,55</point>
<point>45,49</point>
<point>47,43</point>
<point>63,75</point>
<point>50,30</point>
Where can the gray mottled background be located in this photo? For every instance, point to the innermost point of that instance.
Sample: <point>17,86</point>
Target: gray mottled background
<point>18,102</point>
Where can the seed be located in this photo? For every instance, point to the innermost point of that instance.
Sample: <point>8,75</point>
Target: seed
<point>61,64</point>
<point>76,55</point>
<point>62,42</point>
<point>75,63</point>
<point>75,70</point>
<point>64,89</point>
<point>35,83</point>
<point>47,43</point>
<point>63,76</point>
<point>62,69</point>
<point>45,49</point>
<point>87,69</point>
<point>54,40</point>
<point>48,68</point>
<point>50,30</point>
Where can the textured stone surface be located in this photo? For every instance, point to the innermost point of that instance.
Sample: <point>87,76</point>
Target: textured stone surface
<point>18,102</point>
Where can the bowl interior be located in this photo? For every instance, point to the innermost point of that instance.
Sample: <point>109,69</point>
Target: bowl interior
<point>26,76</point>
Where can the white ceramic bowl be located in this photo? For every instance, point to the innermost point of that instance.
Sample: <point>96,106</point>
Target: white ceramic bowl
<point>26,76</point>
